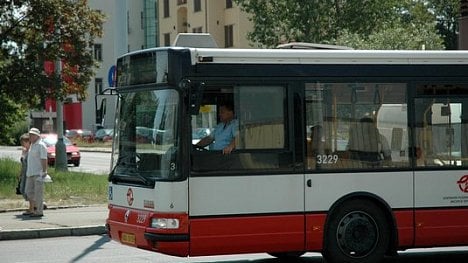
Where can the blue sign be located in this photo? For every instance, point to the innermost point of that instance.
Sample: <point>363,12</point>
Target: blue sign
<point>111,76</point>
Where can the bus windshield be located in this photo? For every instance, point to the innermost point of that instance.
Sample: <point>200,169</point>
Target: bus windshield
<point>145,146</point>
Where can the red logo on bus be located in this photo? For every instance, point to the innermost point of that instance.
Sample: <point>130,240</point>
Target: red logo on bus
<point>463,183</point>
<point>130,196</point>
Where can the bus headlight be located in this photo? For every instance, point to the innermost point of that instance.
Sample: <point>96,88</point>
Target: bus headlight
<point>165,223</point>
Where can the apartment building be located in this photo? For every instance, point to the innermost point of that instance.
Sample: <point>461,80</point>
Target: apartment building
<point>130,25</point>
<point>137,24</point>
<point>223,19</point>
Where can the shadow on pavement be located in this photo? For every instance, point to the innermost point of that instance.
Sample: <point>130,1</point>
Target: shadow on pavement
<point>98,244</point>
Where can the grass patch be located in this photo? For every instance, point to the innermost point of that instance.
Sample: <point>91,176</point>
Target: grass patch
<point>67,188</point>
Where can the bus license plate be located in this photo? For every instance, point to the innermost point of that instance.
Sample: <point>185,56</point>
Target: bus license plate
<point>128,238</point>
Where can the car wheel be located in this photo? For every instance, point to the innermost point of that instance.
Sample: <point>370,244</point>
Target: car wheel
<point>357,231</point>
<point>76,163</point>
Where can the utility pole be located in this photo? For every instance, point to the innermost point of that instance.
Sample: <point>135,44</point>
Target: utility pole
<point>463,26</point>
<point>61,162</point>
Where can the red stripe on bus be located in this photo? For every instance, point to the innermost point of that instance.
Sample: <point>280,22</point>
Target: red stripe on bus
<point>441,227</point>
<point>315,227</point>
<point>246,234</point>
<point>405,227</point>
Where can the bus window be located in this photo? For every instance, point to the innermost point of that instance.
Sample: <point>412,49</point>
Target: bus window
<point>262,117</point>
<point>147,146</point>
<point>356,125</point>
<point>440,126</point>
<point>260,140</point>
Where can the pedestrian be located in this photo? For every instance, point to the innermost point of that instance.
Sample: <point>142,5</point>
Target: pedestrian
<point>36,172</point>
<point>25,143</point>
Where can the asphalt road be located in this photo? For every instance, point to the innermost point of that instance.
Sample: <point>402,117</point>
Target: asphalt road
<point>101,249</point>
<point>91,161</point>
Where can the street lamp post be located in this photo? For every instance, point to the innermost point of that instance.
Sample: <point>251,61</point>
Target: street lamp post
<point>61,162</point>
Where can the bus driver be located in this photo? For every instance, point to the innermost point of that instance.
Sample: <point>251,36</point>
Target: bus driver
<point>224,134</point>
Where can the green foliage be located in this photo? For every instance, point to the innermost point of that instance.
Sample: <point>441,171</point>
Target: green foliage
<point>11,112</point>
<point>9,171</point>
<point>66,188</point>
<point>447,13</point>
<point>19,128</point>
<point>35,31</point>
<point>31,33</point>
<point>372,24</point>
<point>81,187</point>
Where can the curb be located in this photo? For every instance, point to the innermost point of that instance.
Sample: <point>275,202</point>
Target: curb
<point>52,232</point>
<point>48,208</point>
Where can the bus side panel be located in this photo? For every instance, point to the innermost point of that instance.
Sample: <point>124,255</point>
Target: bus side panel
<point>242,214</point>
<point>442,227</point>
<point>315,227</point>
<point>246,234</point>
<point>441,208</point>
<point>324,190</point>
<point>405,227</point>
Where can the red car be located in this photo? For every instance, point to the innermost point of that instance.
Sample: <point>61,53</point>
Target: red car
<point>73,153</point>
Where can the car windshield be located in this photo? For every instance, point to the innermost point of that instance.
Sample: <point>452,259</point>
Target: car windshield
<point>51,140</point>
<point>146,137</point>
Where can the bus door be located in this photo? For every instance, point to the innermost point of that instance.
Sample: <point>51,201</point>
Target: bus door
<point>441,159</point>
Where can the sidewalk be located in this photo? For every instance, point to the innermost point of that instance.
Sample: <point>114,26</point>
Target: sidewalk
<point>57,221</point>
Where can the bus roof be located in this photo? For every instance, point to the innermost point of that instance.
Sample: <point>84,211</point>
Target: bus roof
<point>313,56</point>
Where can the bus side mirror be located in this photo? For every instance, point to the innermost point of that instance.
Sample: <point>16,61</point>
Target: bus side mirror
<point>195,94</point>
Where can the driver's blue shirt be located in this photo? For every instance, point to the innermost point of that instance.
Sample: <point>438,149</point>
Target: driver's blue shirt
<point>223,134</point>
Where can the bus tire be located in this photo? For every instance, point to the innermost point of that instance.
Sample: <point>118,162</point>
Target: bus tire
<point>357,231</point>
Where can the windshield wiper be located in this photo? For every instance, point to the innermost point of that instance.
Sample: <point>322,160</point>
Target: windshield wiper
<point>130,173</point>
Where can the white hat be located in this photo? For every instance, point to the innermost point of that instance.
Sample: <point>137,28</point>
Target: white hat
<point>35,131</point>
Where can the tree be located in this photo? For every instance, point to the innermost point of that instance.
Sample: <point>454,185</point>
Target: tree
<point>360,24</point>
<point>35,31</point>
<point>447,13</point>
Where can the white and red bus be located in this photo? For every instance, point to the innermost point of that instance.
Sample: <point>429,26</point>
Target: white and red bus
<point>354,154</point>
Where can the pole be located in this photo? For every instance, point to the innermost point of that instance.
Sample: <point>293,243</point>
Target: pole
<point>61,163</point>
<point>463,26</point>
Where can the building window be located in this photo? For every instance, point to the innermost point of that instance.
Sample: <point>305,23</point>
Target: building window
<point>167,39</point>
<point>97,85</point>
<point>197,30</point>
<point>166,8</point>
<point>98,52</point>
<point>181,2</point>
<point>196,5</point>
<point>142,20</point>
<point>228,4</point>
<point>128,22</point>
<point>229,36</point>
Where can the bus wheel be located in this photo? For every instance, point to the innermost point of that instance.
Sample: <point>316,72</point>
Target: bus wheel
<point>287,255</point>
<point>358,231</point>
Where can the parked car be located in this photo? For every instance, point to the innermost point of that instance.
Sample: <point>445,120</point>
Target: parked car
<point>104,135</point>
<point>80,134</point>
<point>73,153</point>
